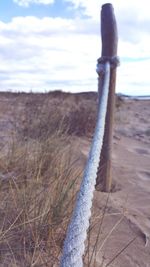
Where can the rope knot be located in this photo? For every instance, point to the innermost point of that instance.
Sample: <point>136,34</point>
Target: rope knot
<point>114,62</point>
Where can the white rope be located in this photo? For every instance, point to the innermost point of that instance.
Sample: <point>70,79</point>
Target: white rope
<point>76,234</point>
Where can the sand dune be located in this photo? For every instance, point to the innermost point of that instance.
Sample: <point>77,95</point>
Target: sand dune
<point>127,215</point>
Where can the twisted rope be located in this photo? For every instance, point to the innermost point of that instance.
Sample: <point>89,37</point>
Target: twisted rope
<point>76,234</point>
<point>114,61</point>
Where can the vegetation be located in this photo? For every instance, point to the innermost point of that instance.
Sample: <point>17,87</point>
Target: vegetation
<point>41,167</point>
<point>40,174</point>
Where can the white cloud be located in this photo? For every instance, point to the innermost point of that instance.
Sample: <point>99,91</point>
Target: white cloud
<point>48,53</point>
<point>133,78</point>
<point>27,3</point>
<point>123,7</point>
<point>58,53</point>
<point>132,16</point>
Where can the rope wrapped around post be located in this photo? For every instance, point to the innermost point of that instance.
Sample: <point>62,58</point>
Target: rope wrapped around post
<point>77,230</point>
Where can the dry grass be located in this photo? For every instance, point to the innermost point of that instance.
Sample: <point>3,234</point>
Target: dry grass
<point>40,174</point>
<point>37,195</point>
<point>64,113</point>
<point>39,178</point>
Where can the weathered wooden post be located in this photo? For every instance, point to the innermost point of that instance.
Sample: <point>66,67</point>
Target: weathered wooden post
<point>109,52</point>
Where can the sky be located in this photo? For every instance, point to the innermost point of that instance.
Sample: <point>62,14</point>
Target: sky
<point>54,45</point>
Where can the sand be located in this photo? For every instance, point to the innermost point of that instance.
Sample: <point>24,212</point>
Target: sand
<point>127,213</point>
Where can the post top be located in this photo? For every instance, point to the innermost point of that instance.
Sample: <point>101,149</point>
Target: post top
<point>108,31</point>
<point>107,5</point>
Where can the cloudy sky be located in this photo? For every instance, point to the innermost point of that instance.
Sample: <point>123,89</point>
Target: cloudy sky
<point>54,44</point>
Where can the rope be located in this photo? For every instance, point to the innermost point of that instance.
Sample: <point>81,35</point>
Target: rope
<point>76,234</point>
<point>114,61</point>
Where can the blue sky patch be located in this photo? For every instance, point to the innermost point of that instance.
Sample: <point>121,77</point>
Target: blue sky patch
<point>9,9</point>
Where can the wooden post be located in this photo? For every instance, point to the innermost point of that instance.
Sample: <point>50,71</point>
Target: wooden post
<point>109,49</point>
